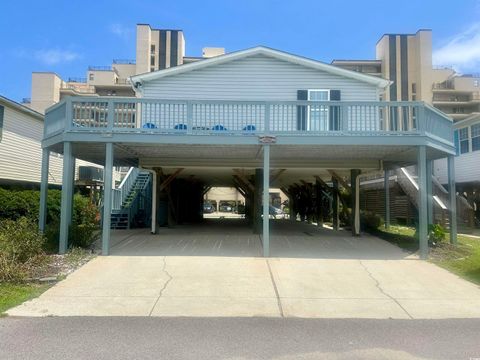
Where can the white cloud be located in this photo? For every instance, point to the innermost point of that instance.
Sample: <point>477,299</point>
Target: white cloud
<point>120,30</point>
<point>55,56</point>
<point>462,51</point>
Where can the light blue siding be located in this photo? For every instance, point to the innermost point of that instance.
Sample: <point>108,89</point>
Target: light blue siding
<point>258,78</point>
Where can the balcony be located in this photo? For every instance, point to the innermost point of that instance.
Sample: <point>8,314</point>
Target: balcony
<point>242,122</point>
<point>77,88</point>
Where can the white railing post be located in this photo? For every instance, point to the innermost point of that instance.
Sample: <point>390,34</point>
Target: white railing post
<point>344,118</point>
<point>189,117</point>
<point>110,114</point>
<point>68,113</point>
<point>267,118</point>
<point>421,118</point>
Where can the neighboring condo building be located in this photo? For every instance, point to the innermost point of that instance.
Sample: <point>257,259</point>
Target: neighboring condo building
<point>406,59</point>
<point>156,49</point>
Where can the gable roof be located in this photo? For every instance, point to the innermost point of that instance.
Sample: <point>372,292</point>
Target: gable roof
<point>22,108</point>
<point>260,50</point>
<point>470,120</point>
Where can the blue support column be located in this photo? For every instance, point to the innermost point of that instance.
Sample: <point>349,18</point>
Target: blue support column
<point>67,194</point>
<point>154,223</point>
<point>266,200</point>
<point>257,201</point>
<point>107,198</point>
<point>73,189</point>
<point>452,191</point>
<point>431,220</point>
<point>355,185</point>
<point>386,184</point>
<point>42,216</point>
<point>335,204</point>
<point>422,202</point>
<point>319,204</point>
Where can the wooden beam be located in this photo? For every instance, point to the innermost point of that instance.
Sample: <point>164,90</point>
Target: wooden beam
<point>322,183</point>
<point>169,179</point>
<point>306,184</point>
<point>285,191</point>
<point>277,175</point>
<point>340,180</point>
<point>240,190</point>
<point>243,179</point>
<point>238,184</point>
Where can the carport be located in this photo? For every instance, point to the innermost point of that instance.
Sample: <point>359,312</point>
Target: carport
<point>251,119</point>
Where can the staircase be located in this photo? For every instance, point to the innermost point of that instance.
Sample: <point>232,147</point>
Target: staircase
<point>130,200</point>
<point>408,182</point>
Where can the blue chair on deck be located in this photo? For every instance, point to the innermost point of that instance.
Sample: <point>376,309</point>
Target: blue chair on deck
<point>149,126</point>
<point>219,127</point>
<point>180,127</point>
<point>250,128</point>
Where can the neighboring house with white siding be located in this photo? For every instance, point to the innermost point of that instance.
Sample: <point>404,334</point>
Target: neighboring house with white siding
<point>21,133</point>
<point>467,164</point>
<point>467,143</point>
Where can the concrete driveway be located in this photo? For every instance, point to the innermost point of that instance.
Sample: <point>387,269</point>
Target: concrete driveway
<point>215,270</point>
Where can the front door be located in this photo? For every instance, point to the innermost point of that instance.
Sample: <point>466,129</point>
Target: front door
<point>317,119</point>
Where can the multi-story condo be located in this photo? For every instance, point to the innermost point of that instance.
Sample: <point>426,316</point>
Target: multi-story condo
<point>156,49</point>
<point>406,60</point>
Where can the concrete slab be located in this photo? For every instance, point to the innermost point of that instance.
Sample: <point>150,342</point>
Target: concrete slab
<point>216,270</point>
<point>216,307</point>
<point>85,306</point>
<point>343,308</point>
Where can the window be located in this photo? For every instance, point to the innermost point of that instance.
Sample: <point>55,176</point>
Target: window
<point>2,112</point>
<point>91,77</point>
<point>152,49</point>
<point>414,88</point>
<point>475,83</point>
<point>318,114</point>
<point>463,138</point>
<point>152,60</point>
<point>475,130</point>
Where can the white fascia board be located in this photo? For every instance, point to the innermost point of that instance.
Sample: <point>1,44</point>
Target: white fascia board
<point>314,64</point>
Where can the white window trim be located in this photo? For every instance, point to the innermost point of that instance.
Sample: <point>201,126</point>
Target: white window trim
<point>470,138</point>
<point>308,99</point>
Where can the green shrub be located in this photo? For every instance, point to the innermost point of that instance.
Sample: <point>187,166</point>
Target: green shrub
<point>84,228</point>
<point>370,220</point>
<point>26,203</point>
<point>21,248</point>
<point>436,234</point>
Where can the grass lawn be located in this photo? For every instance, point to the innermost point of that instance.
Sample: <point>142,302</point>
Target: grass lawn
<point>463,260</point>
<point>15,294</point>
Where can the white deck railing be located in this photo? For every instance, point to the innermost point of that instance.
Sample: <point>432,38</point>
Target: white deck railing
<point>247,118</point>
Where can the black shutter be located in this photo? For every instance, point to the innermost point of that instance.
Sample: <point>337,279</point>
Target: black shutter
<point>302,110</point>
<point>335,95</point>
<point>334,111</point>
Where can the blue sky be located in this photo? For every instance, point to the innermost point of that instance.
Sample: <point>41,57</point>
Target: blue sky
<point>67,36</point>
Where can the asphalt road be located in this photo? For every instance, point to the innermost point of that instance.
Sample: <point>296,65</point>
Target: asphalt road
<point>236,338</point>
